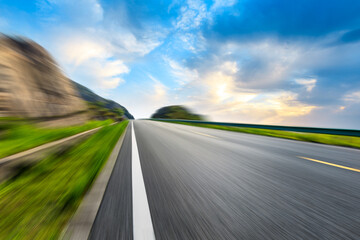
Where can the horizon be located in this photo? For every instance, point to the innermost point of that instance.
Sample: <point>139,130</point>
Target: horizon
<point>261,62</point>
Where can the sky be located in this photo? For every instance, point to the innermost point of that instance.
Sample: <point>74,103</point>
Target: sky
<point>252,61</point>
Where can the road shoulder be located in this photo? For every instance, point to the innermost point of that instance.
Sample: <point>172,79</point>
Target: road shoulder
<point>80,225</point>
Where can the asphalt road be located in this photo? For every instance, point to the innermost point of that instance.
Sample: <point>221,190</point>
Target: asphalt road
<point>211,184</point>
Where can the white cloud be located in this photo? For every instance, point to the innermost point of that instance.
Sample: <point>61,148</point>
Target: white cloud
<point>257,65</point>
<point>159,92</point>
<point>94,51</point>
<point>90,60</point>
<point>353,97</point>
<point>267,63</point>
<point>309,84</point>
<point>182,74</point>
<point>192,15</point>
<point>224,99</point>
<point>102,73</point>
<point>195,12</point>
<point>80,48</point>
<point>216,93</point>
<point>125,44</point>
<point>229,85</point>
<point>110,82</point>
<point>113,68</point>
<point>223,3</point>
<point>229,67</point>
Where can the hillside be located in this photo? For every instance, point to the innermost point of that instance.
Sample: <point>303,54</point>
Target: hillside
<point>176,112</point>
<point>92,97</point>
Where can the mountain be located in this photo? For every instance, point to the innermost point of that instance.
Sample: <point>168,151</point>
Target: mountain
<point>31,83</point>
<point>176,112</point>
<point>92,97</point>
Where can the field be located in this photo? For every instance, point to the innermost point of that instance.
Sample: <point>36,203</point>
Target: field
<point>17,135</point>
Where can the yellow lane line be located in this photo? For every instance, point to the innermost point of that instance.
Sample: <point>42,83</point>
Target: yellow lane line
<point>331,164</point>
<point>206,135</point>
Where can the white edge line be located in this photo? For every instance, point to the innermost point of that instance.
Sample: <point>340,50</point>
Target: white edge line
<point>142,223</point>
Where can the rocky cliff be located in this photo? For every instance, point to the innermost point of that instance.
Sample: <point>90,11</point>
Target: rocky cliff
<point>31,83</point>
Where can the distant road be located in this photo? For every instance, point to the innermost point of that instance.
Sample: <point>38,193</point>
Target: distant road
<point>210,184</point>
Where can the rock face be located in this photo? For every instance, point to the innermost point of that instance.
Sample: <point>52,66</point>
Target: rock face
<point>31,83</point>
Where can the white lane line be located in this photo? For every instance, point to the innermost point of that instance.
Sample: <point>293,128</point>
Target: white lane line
<point>203,134</point>
<point>142,223</point>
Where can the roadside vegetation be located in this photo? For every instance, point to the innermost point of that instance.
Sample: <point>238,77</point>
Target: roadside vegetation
<point>98,110</point>
<point>176,112</point>
<point>337,140</point>
<point>40,200</point>
<point>20,135</point>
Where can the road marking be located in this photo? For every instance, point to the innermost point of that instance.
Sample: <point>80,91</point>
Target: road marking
<point>206,135</point>
<point>331,164</point>
<point>142,223</point>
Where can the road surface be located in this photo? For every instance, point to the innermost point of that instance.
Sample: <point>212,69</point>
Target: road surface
<point>211,184</point>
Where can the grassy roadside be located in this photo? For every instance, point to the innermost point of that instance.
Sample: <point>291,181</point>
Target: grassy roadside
<point>19,136</point>
<point>337,140</point>
<point>38,203</point>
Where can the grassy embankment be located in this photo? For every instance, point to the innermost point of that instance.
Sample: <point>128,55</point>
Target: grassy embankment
<point>19,135</point>
<point>39,202</point>
<point>337,140</point>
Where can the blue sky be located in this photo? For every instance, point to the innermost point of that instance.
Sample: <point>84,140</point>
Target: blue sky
<point>255,61</point>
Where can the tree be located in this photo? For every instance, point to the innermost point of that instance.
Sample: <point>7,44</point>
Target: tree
<point>119,111</point>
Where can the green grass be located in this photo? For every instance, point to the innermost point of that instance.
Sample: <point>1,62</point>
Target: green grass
<point>39,202</point>
<point>17,136</point>
<point>337,140</point>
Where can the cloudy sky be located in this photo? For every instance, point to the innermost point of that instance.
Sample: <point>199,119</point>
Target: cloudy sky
<point>255,61</point>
